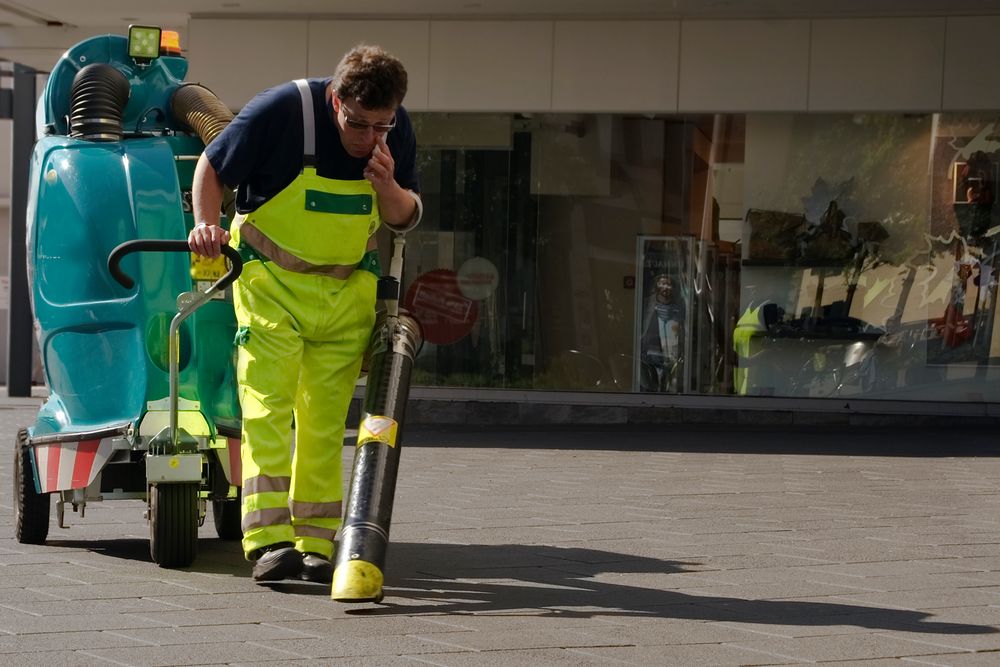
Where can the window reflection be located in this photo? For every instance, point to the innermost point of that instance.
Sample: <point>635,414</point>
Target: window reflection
<point>807,255</point>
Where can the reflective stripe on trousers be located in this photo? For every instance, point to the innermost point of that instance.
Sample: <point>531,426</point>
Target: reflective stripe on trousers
<point>263,509</point>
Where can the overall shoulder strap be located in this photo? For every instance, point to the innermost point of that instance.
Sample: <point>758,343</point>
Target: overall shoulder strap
<point>308,124</point>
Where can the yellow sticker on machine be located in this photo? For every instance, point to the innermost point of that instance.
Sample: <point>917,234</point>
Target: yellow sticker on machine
<point>207,268</point>
<point>377,428</point>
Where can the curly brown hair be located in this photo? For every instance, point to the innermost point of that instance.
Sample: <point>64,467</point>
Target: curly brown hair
<point>372,76</point>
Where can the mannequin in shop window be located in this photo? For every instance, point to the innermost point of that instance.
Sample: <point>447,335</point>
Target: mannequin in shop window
<point>662,341</point>
<point>976,184</point>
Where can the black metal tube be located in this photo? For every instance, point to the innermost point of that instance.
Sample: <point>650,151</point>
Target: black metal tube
<point>364,537</point>
<point>376,466</point>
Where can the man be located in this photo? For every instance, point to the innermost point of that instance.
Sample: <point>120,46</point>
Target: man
<point>317,165</point>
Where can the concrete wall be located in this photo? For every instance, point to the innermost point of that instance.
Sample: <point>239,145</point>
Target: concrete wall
<point>6,175</point>
<point>6,133</point>
<point>819,65</point>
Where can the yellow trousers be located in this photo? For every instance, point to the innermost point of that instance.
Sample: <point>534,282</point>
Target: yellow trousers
<point>300,344</point>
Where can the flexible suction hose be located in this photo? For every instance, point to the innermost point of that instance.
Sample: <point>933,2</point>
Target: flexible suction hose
<point>200,109</point>
<point>97,99</point>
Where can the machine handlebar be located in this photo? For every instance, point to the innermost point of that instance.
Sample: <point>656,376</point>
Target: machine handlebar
<point>162,245</point>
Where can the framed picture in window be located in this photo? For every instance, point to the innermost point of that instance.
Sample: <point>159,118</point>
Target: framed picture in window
<point>663,320</point>
<point>975,180</point>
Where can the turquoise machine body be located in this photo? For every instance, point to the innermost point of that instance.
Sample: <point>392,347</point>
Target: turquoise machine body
<point>104,348</point>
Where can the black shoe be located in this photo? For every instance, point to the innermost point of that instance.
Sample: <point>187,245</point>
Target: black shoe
<point>277,562</point>
<point>316,568</point>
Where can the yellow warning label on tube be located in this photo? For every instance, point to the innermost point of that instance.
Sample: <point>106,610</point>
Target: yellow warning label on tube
<point>377,428</point>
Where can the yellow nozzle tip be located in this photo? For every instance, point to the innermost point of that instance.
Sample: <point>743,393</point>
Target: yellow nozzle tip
<point>357,581</point>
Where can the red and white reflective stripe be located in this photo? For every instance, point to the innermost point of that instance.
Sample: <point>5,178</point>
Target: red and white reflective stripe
<point>86,452</point>
<point>70,465</point>
<point>47,466</point>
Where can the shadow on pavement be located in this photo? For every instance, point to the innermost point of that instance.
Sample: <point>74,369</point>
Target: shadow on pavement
<point>214,556</point>
<point>542,580</point>
<point>126,548</point>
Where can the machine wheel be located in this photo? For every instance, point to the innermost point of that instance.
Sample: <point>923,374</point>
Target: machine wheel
<point>173,523</point>
<point>227,518</point>
<point>31,509</point>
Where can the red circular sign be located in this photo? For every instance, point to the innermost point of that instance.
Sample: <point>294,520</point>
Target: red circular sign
<point>444,313</point>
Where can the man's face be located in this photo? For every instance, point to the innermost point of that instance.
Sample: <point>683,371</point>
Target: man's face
<point>360,128</point>
<point>664,286</point>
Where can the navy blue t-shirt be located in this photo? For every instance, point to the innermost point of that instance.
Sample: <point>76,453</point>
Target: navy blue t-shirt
<point>260,152</point>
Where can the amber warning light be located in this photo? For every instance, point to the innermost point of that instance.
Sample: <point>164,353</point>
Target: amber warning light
<point>170,43</point>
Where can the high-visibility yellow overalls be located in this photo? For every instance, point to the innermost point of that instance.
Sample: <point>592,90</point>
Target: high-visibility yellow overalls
<point>305,316</point>
<point>750,324</point>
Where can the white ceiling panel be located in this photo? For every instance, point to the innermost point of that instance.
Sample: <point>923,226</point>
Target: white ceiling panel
<point>102,12</point>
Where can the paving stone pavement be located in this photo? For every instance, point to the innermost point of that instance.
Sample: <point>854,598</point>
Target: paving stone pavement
<point>594,546</point>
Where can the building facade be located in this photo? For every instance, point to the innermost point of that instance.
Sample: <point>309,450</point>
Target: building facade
<point>780,208</point>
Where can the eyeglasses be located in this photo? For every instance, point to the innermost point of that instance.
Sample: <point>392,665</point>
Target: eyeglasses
<point>361,126</point>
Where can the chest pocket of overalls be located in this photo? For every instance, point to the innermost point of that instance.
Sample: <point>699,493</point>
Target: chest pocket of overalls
<point>340,221</point>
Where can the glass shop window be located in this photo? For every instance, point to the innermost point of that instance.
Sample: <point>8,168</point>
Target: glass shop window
<point>808,255</point>
<point>869,257</point>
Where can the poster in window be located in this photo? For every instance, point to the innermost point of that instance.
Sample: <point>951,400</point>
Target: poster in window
<point>663,314</point>
<point>975,181</point>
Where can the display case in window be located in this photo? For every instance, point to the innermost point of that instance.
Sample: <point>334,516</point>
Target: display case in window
<point>664,290</point>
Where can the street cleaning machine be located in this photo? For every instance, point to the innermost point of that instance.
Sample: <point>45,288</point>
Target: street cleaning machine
<point>142,397</point>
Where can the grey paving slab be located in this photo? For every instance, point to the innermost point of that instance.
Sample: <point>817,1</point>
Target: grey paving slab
<point>932,599</point>
<point>24,623</point>
<point>356,661</point>
<point>539,657</point>
<point>204,618</point>
<point>686,546</point>
<point>56,640</point>
<point>845,647</point>
<point>371,626</point>
<point>889,662</point>
<point>58,659</point>
<point>220,653</point>
<point>187,634</point>
<point>97,607</point>
<point>957,660</point>
<point>348,648</point>
<point>689,654</point>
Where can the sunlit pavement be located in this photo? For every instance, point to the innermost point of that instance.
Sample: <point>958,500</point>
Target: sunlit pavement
<point>590,546</point>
